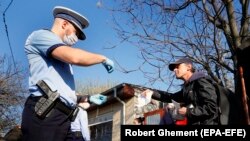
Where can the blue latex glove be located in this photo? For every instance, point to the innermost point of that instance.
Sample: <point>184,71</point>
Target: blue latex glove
<point>109,65</point>
<point>98,99</point>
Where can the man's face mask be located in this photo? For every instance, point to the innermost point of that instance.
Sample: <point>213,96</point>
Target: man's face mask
<point>70,40</point>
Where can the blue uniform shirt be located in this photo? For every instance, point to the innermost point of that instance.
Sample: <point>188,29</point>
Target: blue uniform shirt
<point>81,124</point>
<point>57,74</point>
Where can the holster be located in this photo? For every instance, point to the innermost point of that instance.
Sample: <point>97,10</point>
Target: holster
<point>46,103</point>
<point>51,100</point>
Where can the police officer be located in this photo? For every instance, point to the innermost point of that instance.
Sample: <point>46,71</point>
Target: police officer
<point>51,56</point>
<point>79,128</point>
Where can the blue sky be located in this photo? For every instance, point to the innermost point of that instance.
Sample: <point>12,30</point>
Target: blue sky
<point>25,16</point>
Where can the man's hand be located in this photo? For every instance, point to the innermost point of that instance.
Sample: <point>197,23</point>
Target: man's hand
<point>84,105</point>
<point>98,99</point>
<point>182,111</point>
<point>109,65</point>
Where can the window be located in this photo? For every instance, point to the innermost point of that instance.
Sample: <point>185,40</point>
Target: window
<point>101,132</point>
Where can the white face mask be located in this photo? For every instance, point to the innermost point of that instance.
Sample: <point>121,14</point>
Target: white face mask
<point>70,40</point>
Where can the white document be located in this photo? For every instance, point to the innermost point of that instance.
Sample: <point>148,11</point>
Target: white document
<point>142,101</point>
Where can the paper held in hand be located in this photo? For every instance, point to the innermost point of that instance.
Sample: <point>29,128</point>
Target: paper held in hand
<point>174,112</point>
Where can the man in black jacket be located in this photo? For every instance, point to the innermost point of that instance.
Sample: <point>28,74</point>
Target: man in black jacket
<point>243,56</point>
<point>198,95</point>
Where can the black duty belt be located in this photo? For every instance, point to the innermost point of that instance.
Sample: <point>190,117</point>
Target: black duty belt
<point>60,106</point>
<point>77,134</point>
<point>66,110</point>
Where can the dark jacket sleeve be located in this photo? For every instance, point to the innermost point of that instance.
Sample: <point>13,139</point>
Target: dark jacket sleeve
<point>81,98</point>
<point>167,97</point>
<point>205,103</point>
